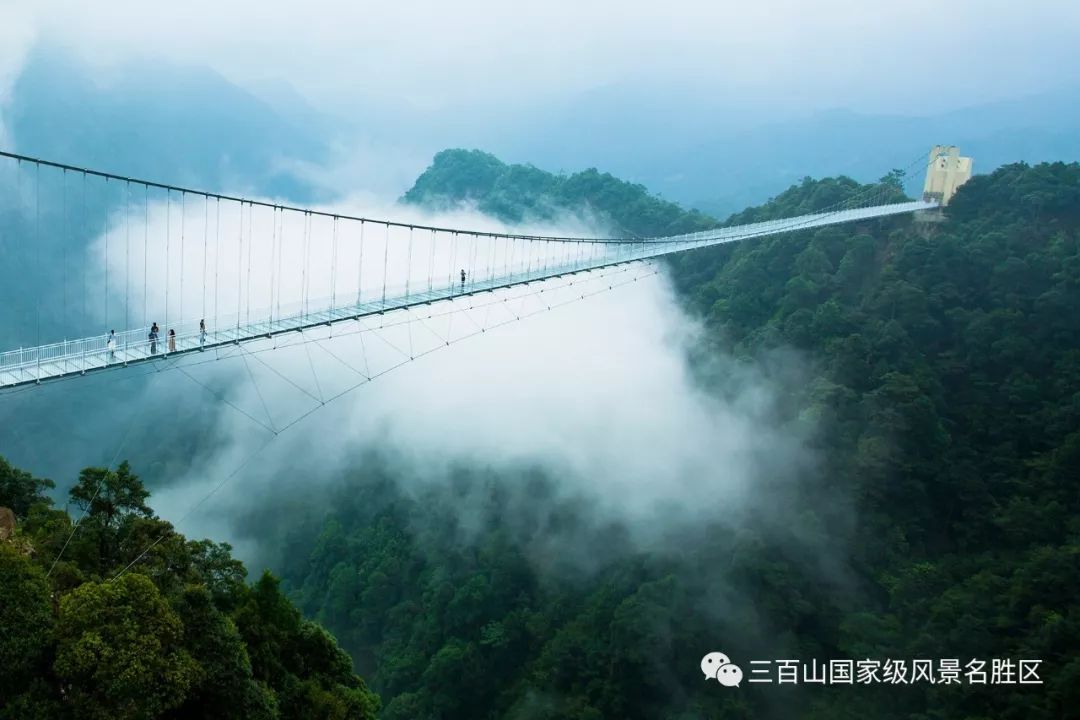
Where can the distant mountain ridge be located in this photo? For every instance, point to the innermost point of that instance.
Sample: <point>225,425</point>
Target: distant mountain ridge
<point>720,156</point>
<point>714,153</point>
<point>161,122</point>
<point>518,193</point>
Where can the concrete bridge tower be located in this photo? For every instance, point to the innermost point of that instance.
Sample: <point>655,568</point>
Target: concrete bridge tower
<point>945,172</point>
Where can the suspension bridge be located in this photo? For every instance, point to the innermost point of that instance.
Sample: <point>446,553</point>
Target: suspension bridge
<point>182,271</point>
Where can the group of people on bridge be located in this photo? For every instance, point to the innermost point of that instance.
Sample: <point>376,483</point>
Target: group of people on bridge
<point>155,331</point>
<point>152,338</point>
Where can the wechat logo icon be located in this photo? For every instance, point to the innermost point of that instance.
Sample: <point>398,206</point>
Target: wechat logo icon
<point>718,666</point>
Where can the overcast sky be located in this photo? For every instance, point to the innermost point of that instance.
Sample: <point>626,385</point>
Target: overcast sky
<point>868,55</point>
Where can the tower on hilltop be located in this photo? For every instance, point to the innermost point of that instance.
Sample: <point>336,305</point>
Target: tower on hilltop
<point>945,173</point>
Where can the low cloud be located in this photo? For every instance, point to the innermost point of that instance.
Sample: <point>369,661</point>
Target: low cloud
<point>16,38</point>
<point>445,62</point>
<point>598,395</point>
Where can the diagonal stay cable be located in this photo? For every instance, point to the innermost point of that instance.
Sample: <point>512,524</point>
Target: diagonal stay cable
<point>424,321</point>
<point>225,400</point>
<point>439,336</point>
<point>334,355</point>
<point>308,413</point>
<point>281,375</point>
<point>174,361</point>
<point>363,349</point>
<point>198,504</point>
<point>159,366</point>
<point>466,312</point>
<point>314,375</point>
<point>97,489</point>
<point>382,337</point>
<point>258,392</point>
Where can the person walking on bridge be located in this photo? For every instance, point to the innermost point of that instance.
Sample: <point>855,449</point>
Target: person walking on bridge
<point>462,278</point>
<point>202,333</point>
<point>172,340</point>
<point>153,338</point>
<point>110,345</point>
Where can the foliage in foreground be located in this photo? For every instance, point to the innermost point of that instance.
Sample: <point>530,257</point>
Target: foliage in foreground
<point>180,635</point>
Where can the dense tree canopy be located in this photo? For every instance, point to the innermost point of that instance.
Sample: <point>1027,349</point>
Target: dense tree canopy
<point>941,396</point>
<point>944,398</point>
<point>523,193</point>
<point>178,635</point>
<point>19,489</point>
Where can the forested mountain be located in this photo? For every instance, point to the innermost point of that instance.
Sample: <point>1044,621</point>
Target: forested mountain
<point>719,154</point>
<point>941,522</point>
<point>941,398</point>
<point>517,193</point>
<point>179,635</point>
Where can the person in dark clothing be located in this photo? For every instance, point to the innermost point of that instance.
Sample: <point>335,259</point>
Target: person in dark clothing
<point>462,278</point>
<point>153,339</point>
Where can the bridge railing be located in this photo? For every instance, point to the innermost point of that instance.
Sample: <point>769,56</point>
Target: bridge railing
<point>72,355</point>
<point>69,355</point>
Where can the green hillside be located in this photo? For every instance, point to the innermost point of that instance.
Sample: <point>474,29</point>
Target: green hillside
<point>944,402</point>
<point>179,635</point>
<point>523,193</point>
<point>938,387</point>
